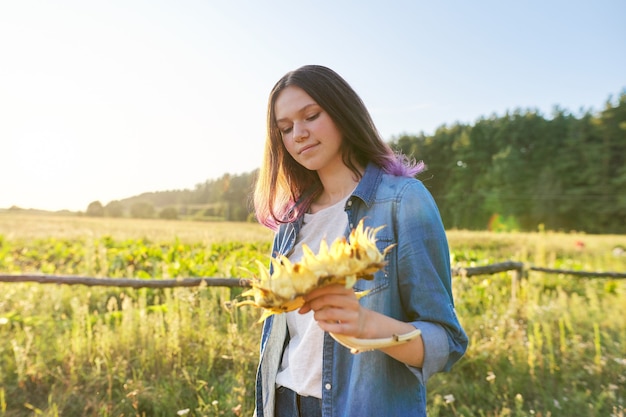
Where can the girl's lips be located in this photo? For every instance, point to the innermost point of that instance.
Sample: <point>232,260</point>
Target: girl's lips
<point>306,148</point>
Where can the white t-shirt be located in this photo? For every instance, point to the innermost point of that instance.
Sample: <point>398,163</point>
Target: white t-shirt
<point>301,367</point>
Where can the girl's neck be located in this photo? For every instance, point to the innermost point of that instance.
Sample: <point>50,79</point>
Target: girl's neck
<point>336,184</point>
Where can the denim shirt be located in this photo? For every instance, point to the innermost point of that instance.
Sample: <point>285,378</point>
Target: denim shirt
<point>414,286</point>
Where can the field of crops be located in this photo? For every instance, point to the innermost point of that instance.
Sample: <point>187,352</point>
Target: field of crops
<point>556,346</point>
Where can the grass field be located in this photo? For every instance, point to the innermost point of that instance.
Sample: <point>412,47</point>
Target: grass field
<point>558,348</point>
<point>41,226</point>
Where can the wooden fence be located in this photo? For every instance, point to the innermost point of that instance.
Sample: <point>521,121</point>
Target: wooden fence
<point>518,269</point>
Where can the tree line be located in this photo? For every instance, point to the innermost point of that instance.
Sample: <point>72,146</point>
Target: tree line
<point>227,198</point>
<point>525,171</point>
<point>519,171</point>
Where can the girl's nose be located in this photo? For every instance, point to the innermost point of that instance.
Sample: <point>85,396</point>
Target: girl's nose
<point>300,132</point>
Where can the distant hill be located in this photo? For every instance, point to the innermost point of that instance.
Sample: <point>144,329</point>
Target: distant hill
<point>225,198</point>
<point>38,211</point>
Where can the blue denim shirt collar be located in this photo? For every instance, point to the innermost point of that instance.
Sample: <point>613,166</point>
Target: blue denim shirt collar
<point>366,190</point>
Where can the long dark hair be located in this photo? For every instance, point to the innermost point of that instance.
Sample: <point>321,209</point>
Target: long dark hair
<point>282,181</point>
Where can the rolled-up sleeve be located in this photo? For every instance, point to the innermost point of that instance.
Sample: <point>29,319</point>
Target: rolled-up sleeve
<point>425,280</point>
<point>436,350</point>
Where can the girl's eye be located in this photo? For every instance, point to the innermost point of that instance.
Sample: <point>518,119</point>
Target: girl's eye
<point>313,117</point>
<point>286,130</point>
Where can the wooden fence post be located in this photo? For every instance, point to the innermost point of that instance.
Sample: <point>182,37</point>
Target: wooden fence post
<point>516,276</point>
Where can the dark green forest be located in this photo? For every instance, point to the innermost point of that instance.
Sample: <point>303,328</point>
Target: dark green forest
<point>520,171</point>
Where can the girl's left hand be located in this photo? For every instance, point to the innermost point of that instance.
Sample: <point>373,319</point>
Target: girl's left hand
<point>336,309</point>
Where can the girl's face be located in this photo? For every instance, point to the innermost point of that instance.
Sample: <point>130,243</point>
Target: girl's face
<point>309,134</point>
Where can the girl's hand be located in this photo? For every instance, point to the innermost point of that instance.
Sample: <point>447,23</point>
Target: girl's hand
<point>336,309</point>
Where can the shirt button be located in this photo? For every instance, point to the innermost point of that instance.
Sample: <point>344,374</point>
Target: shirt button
<point>349,203</point>
<point>328,386</point>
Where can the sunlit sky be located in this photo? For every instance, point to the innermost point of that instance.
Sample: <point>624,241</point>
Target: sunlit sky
<point>103,100</point>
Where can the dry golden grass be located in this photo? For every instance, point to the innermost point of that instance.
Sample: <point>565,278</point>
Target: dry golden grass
<point>539,248</point>
<point>566,242</point>
<point>33,226</point>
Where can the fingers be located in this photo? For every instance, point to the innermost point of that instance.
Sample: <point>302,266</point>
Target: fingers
<point>341,321</point>
<point>334,327</point>
<point>330,302</point>
<point>335,296</point>
<point>336,309</point>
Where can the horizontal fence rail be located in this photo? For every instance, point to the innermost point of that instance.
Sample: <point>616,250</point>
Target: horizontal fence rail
<point>488,269</point>
<point>586,274</point>
<point>127,282</point>
<point>518,267</point>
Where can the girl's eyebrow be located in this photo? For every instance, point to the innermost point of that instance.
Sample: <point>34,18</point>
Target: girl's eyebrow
<point>303,109</point>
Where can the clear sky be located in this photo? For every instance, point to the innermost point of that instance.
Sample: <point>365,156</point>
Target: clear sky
<point>103,100</point>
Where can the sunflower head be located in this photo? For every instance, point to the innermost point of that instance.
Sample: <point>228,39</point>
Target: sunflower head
<point>343,262</point>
